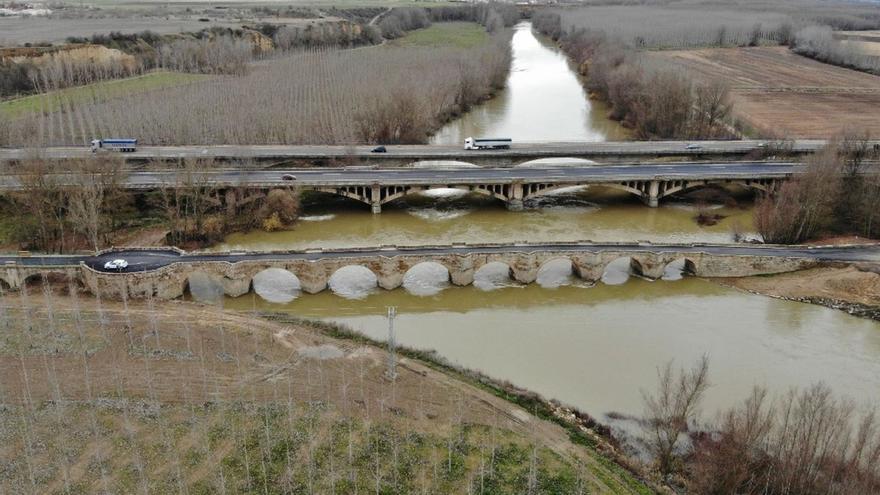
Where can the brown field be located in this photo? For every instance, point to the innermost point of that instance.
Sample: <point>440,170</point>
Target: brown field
<point>780,94</point>
<point>115,397</point>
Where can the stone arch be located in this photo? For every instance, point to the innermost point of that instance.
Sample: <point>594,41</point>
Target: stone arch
<point>640,189</point>
<point>353,281</point>
<point>204,287</point>
<point>555,272</point>
<point>276,285</point>
<point>619,270</point>
<point>361,194</point>
<point>679,268</point>
<point>427,278</point>
<point>535,190</point>
<point>390,193</point>
<point>52,277</point>
<point>498,191</point>
<point>493,275</point>
<point>669,188</point>
<point>4,285</point>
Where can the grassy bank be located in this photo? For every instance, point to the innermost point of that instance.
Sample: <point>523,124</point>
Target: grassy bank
<point>455,34</point>
<point>579,426</point>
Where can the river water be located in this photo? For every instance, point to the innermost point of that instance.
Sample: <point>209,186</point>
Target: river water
<point>594,347</point>
<point>542,101</point>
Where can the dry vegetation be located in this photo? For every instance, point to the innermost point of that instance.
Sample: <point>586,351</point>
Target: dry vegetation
<point>779,94</point>
<point>805,442</point>
<point>838,193</point>
<point>656,102</point>
<point>125,397</point>
<point>317,96</point>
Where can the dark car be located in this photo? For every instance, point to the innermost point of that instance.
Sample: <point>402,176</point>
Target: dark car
<point>378,149</point>
<point>288,177</point>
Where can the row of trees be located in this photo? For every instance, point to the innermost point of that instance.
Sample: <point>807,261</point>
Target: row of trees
<point>818,42</point>
<point>85,206</point>
<point>655,102</point>
<point>839,193</point>
<point>314,96</point>
<point>805,442</point>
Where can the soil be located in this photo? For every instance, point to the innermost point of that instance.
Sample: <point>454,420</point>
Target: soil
<point>164,360</point>
<point>781,94</point>
<point>854,289</point>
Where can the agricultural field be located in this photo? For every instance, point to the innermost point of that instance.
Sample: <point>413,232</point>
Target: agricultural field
<point>457,34</point>
<point>20,30</point>
<point>777,93</point>
<point>306,97</point>
<point>134,397</point>
<point>96,93</point>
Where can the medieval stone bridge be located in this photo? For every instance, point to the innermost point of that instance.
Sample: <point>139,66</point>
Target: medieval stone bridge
<point>166,274</point>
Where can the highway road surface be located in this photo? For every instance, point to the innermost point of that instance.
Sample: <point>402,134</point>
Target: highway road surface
<point>152,259</point>
<point>419,152</point>
<point>440,175</point>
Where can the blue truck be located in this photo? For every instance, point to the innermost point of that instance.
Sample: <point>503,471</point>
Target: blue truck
<point>123,145</point>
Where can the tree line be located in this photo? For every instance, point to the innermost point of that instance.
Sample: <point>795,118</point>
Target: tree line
<point>655,102</point>
<point>85,207</point>
<point>839,193</point>
<point>803,442</point>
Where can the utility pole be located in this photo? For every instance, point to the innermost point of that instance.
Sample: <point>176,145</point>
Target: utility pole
<point>391,372</point>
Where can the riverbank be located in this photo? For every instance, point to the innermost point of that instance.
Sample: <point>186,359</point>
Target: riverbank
<point>128,396</point>
<point>854,289</point>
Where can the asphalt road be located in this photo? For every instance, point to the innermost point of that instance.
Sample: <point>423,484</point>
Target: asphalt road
<point>146,260</point>
<point>446,175</point>
<point>422,152</point>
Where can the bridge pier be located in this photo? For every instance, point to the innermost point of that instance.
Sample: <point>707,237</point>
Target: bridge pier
<point>375,198</point>
<point>653,199</point>
<point>515,197</point>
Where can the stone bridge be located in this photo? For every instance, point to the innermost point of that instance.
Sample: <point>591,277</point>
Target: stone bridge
<point>235,273</point>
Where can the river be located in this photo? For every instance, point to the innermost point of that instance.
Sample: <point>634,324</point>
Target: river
<point>596,346</point>
<point>543,100</point>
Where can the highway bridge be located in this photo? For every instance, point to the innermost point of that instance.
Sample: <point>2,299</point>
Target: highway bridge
<point>165,273</point>
<point>400,155</point>
<point>376,187</point>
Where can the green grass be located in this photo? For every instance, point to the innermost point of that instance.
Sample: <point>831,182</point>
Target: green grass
<point>96,92</point>
<point>457,34</point>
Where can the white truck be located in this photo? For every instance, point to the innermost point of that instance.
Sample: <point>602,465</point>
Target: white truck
<point>487,143</point>
<point>123,145</point>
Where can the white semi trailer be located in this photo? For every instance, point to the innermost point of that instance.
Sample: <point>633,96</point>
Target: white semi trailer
<point>487,143</point>
<point>123,145</point>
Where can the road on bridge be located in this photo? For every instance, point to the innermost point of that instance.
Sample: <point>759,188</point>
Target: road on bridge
<point>420,152</point>
<point>152,259</point>
<point>447,175</point>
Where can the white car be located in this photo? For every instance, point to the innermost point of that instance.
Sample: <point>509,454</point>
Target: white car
<point>693,147</point>
<point>117,265</point>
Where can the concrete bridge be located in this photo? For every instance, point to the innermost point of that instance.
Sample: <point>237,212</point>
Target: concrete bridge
<point>401,155</point>
<point>377,187</point>
<point>166,274</point>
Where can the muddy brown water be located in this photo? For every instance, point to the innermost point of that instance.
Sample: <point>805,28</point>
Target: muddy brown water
<point>543,100</point>
<point>594,346</point>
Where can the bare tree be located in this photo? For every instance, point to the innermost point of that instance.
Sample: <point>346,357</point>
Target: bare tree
<point>671,409</point>
<point>92,183</point>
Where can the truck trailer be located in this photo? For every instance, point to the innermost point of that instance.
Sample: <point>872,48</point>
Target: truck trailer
<point>122,145</point>
<point>487,143</point>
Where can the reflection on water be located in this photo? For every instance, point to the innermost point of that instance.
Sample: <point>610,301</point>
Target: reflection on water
<point>598,215</point>
<point>597,347</point>
<point>542,101</point>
